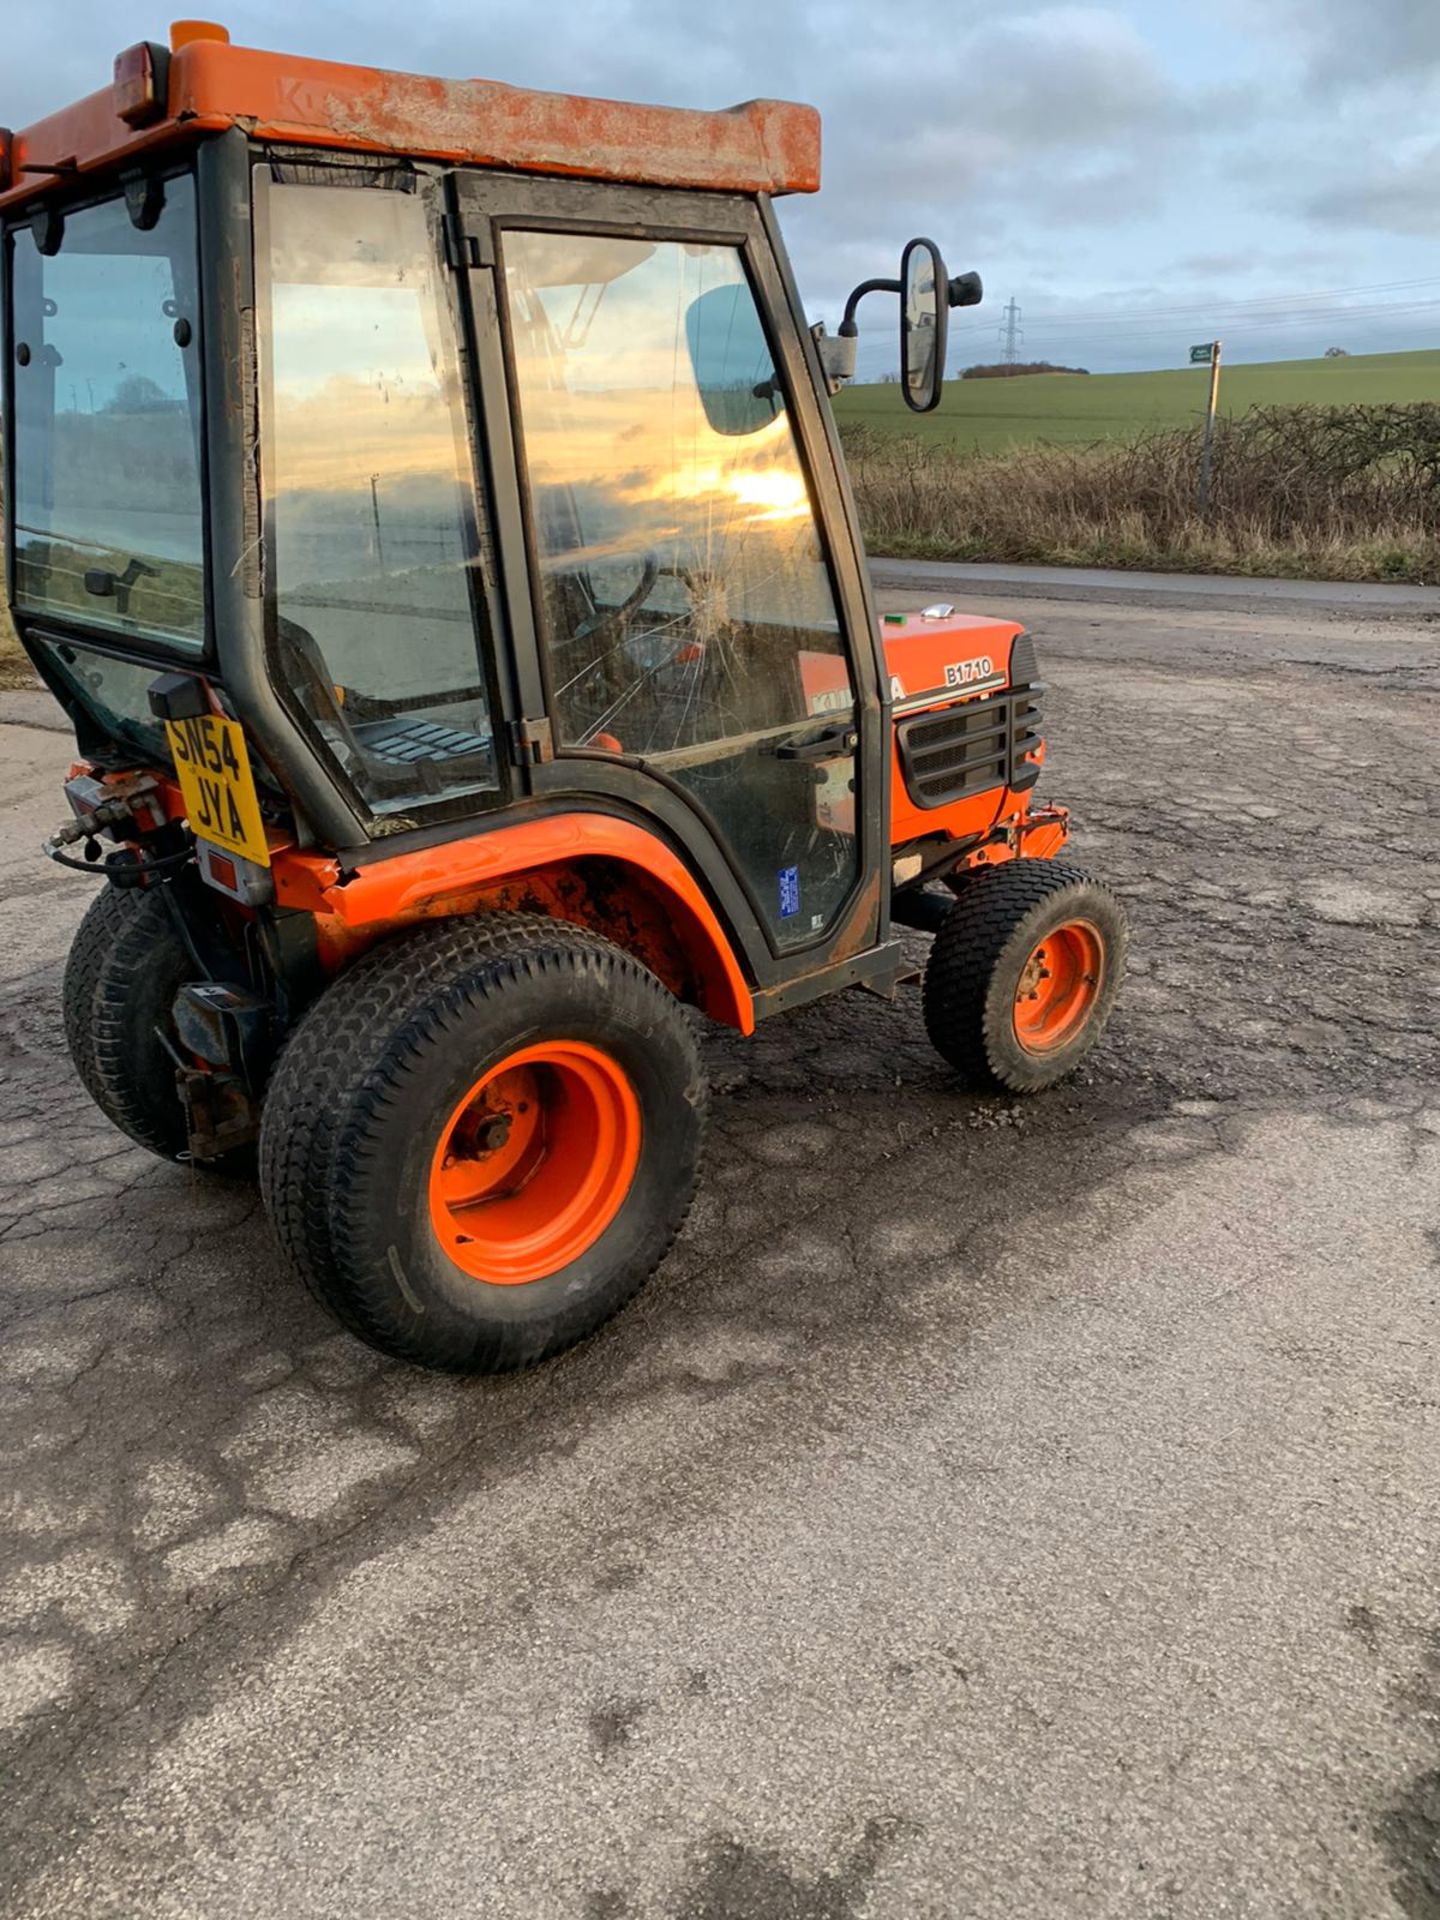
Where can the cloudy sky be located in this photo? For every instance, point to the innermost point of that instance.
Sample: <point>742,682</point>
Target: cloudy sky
<point>1138,176</point>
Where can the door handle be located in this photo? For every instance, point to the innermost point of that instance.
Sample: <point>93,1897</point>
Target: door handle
<point>833,744</point>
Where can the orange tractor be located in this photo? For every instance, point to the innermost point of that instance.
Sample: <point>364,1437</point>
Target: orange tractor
<point>423,497</point>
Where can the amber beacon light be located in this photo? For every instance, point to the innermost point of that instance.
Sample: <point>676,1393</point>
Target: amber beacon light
<point>185,33</point>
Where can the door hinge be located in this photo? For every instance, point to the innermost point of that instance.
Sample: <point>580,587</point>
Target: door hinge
<point>464,248</point>
<point>531,742</point>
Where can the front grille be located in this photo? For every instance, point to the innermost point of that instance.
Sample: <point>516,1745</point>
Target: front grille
<point>969,749</point>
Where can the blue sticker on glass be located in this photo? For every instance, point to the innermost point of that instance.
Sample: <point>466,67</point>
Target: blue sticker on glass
<point>789,892</point>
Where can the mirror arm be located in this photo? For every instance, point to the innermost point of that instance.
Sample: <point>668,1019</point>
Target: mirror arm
<point>848,328</point>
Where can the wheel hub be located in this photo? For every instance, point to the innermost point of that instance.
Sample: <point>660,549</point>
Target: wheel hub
<point>1058,987</point>
<point>535,1162</point>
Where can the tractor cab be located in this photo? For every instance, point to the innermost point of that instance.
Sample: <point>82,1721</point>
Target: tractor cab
<point>424,498</point>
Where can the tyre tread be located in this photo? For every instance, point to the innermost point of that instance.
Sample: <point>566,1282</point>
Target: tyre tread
<point>113,950</point>
<point>959,1018</point>
<point>317,1150</point>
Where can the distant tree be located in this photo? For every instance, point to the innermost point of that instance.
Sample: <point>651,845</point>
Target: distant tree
<point>138,393</point>
<point>1337,353</point>
<point>1008,370</point>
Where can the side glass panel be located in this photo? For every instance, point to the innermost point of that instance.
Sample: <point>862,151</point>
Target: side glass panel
<point>688,615</point>
<point>116,694</point>
<point>109,526</point>
<point>368,485</point>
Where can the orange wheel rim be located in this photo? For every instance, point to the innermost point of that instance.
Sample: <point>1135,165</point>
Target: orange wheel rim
<point>535,1162</point>
<point>1059,985</point>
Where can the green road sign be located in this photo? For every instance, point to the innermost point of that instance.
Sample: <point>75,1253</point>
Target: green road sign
<point>1200,356</point>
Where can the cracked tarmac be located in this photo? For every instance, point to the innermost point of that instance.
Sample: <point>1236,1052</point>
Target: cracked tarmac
<point>991,1509</point>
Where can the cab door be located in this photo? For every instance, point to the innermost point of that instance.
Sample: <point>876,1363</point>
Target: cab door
<point>701,637</point>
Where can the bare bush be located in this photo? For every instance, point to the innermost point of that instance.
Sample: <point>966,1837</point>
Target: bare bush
<point>1340,492</point>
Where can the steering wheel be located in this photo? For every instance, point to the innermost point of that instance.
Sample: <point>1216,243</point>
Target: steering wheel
<point>604,619</point>
<point>616,670</point>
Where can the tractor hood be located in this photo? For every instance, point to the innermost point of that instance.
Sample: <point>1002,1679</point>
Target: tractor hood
<point>934,659</point>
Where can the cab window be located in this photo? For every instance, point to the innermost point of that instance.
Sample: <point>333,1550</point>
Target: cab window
<point>687,609</point>
<point>369,496</point>
<point>109,521</point>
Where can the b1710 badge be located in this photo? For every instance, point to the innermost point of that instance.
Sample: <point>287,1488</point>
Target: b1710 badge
<point>974,674</point>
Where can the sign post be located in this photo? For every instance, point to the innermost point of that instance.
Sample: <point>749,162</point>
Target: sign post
<point>1208,350</point>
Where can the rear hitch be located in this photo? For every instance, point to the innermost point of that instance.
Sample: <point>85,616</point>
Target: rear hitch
<point>228,1034</point>
<point>219,1113</point>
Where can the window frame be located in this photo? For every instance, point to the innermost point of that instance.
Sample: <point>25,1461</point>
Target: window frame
<point>427,185</point>
<point>740,241</point>
<point>492,204</point>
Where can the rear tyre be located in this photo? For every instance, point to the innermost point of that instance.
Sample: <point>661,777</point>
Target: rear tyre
<point>1023,974</point>
<point>125,966</point>
<point>482,1140</point>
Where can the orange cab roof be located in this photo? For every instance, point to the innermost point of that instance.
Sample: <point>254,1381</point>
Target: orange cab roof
<point>764,146</point>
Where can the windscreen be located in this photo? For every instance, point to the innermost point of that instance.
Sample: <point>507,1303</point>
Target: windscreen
<point>109,526</point>
<point>681,561</point>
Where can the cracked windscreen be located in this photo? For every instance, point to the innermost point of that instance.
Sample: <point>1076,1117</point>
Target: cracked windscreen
<point>109,526</point>
<point>687,609</point>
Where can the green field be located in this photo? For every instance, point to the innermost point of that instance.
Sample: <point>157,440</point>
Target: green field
<point>1080,408</point>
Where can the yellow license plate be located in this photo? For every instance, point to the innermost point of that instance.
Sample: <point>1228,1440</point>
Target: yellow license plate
<point>218,785</point>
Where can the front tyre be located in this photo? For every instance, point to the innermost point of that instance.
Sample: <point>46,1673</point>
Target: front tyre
<point>482,1140</point>
<point>1023,974</point>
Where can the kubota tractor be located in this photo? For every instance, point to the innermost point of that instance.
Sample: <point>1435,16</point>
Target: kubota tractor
<point>423,497</point>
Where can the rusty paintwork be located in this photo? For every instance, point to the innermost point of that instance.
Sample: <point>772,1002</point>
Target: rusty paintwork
<point>762,146</point>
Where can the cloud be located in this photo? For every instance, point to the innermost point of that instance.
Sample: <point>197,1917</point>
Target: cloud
<point>1233,265</point>
<point>1397,194</point>
<point>1057,147</point>
<point>1063,117</point>
<point>975,126</point>
<point>1351,44</point>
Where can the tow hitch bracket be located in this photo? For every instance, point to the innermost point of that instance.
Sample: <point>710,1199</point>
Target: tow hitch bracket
<point>227,1033</point>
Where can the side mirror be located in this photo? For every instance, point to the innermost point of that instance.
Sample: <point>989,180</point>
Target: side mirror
<point>731,360</point>
<point>926,297</point>
<point>924,324</point>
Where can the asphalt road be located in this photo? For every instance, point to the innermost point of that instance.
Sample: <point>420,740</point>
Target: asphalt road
<point>991,1510</point>
<point>1182,591</point>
